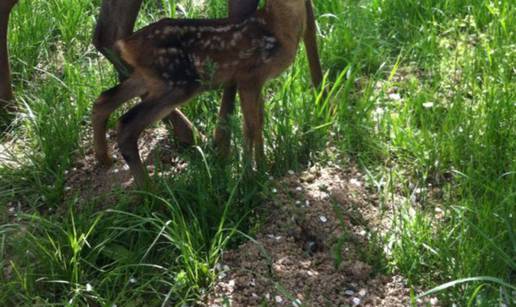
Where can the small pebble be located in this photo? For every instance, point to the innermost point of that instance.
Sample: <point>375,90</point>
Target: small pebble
<point>297,303</point>
<point>355,182</point>
<point>323,219</point>
<point>132,280</point>
<point>218,267</point>
<point>356,301</point>
<point>362,292</point>
<point>349,292</point>
<point>278,299</point>
<point>299,189</point>
<point>291,172</point>
<point>274,191</point>
<point>428,105</point>
<point>395,96</point>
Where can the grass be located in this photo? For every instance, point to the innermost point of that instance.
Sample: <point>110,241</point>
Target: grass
<point>422,99</point>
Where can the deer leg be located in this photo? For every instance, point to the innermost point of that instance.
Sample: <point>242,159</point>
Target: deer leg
<point>6,94</point>
<point>240,9</point>
<point>108,102</point>
<point>252,109</point>
<point>116,21</point>
<point>310,41</point>
<point>222,138</point>
<point>135,121</point>
<point>183,128</point>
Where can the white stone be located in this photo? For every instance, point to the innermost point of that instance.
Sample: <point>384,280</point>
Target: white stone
<point>278,299</point>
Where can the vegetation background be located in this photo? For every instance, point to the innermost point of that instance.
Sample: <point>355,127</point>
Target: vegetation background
<point>422,98</point>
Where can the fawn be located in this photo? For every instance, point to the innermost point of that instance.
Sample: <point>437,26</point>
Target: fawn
<point>174,60</point>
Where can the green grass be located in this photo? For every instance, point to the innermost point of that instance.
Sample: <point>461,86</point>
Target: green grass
<point>423,99</point>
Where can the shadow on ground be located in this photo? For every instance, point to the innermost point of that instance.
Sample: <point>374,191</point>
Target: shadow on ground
<point>318,247</point>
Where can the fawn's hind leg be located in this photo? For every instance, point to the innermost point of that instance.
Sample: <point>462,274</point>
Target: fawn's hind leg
<point>136,120</point>
<point>108,102</point>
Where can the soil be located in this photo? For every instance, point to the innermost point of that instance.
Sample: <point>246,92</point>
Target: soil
<point>87,180</point>
<point>316,248</point>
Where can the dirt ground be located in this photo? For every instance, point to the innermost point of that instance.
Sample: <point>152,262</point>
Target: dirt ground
<point>317,248</point>
<point>86,180</point>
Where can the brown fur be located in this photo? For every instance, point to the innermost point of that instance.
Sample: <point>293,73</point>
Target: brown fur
<point>6,94</point>
<point>175,60</point>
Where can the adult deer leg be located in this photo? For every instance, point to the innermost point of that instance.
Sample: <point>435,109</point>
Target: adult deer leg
<point>136,120</point>
<point>240,9</point>
<point>310,41</point>
<point>6,94</point>
<point>116,21</point>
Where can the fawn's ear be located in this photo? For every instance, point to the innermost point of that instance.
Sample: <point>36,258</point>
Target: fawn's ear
<point>241,9</point>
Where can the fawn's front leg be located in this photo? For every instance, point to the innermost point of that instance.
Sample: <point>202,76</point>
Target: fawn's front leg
<point>108,102</point>
<point>252,108</point>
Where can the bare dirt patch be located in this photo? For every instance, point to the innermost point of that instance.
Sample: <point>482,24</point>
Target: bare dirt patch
<point>316,248</point>
<point>87,180</point>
